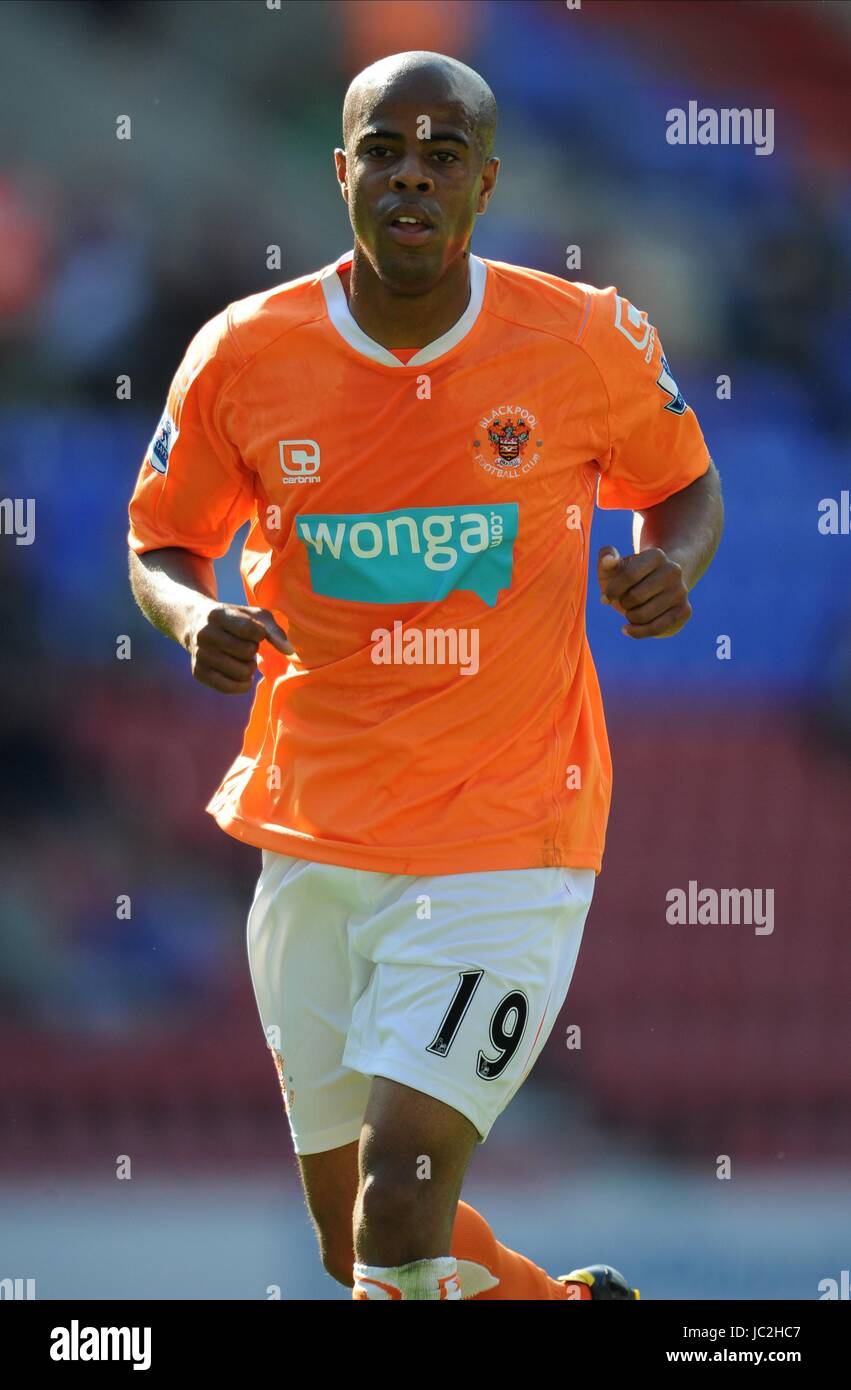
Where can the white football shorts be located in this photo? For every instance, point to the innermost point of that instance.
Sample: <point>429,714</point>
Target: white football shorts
<point>448,983</point>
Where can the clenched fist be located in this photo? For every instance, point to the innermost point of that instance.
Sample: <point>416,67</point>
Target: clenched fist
<point>647,589</point>
<point>222,642</point>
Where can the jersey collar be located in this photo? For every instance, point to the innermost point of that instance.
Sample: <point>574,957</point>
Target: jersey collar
<point>348,328</point>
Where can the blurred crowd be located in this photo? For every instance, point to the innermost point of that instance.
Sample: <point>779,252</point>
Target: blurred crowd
<point>113,252</point>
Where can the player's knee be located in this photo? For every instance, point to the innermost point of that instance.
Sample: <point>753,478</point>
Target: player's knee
<point>392,1199</point>
<point>338,1261</point>
<point>336,1246</point>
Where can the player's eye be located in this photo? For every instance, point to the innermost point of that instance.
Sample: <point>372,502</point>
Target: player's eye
<point>378,150</point>
<point>446,156</point>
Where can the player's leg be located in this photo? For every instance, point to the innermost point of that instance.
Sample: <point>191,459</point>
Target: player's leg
<point>414,1151</point>
<point>303,982</point>
<point>489,1270</point>
<point>304,974</point>
<point>462,999</point>
<point>486,1268</point>
<point>330,1182</point>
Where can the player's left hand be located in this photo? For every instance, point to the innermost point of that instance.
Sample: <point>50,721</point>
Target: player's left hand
<point>647,589</point>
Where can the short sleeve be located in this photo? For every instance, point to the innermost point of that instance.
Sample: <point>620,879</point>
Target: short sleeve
<point>193,489</point>
<point>655,444</point>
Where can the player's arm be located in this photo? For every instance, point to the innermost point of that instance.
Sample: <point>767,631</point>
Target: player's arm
<point>192,494</point>
<point>653,461</point>
<point>176,591</point>
<point>674,543</point>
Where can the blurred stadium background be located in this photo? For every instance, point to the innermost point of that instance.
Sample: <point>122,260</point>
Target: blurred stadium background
<point>140,1037</point>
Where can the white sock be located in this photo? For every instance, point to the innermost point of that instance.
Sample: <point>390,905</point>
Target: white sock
<point>436,1279</point>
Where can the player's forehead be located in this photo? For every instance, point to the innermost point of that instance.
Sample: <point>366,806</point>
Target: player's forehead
<point>398,104</point>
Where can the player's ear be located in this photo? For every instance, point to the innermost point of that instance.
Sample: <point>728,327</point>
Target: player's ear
<point>341,168</point>
<point>489,173</point>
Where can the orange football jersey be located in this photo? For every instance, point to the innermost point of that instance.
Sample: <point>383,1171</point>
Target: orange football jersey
<point>420,529</point>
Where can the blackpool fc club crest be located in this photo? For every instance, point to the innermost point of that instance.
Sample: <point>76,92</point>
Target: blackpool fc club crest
<point>507,441</point>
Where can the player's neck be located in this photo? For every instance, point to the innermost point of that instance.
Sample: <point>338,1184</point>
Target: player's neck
<point>400,321</point>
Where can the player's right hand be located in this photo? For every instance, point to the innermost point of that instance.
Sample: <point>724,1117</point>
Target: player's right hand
<point>222,643</point>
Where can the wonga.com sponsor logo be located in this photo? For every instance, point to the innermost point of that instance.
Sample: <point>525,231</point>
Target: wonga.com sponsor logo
<point>414,556</point>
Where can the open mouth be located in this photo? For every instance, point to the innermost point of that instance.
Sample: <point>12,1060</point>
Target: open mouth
<point>409,229</point>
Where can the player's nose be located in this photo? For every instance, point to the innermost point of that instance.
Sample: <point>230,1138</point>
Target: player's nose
<point>411,176</point>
